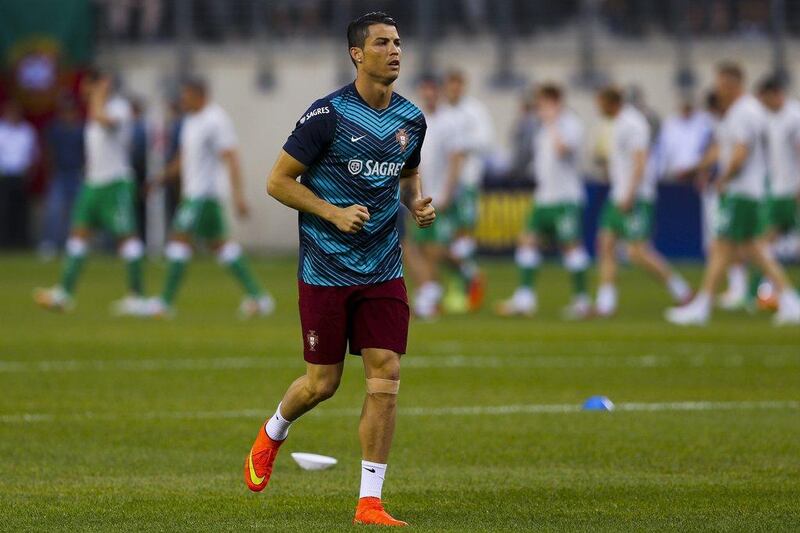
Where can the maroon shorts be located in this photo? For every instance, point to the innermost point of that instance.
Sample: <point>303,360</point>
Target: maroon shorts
<point>363,316</point>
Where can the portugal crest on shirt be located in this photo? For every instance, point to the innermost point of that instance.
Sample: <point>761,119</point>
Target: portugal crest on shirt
<point>402,138</point>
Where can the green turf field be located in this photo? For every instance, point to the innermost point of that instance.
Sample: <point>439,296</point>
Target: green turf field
<point>112,424</point>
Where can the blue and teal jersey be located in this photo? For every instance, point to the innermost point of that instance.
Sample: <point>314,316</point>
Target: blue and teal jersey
<point>355,155</point>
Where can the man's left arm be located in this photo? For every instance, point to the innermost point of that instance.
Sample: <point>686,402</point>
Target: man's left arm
<point>231,158</point>
<point>411,190</point>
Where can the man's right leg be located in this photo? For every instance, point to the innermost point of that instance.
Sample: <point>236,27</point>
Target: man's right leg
<point>606,302</point>
<point>788,300</point>
<point>698,311</point>
<point>60,297</point>
<point>318,384</point>
<point>528,261</point>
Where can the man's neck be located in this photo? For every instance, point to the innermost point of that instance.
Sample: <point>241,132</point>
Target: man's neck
<point>376,94</point>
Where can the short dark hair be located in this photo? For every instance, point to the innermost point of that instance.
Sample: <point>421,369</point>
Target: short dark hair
<point>551,91</point>
<point>358,29</point>
<point>731,69</point>
<point>197,84</point>
<point>611,94</point>
<point>772,84</point>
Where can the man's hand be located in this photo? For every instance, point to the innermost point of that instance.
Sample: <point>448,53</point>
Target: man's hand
<point>423,211</point>
<point>350,219</point>
<point>242,209</point>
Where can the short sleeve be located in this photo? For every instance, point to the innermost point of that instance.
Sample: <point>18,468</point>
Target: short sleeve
<point>415,158</point>
<point>313,133</point>
<point>224,134</point>
<point>742,129</point>
<point>571,133</point>
<point>638,135</point>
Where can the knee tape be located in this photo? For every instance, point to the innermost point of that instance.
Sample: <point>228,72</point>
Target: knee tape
<point>527,257</point>
<point>76,246</point>
<point>131,249</point>
<point>382,386</point>
<point>576,260</point>
<point>178,251</point>
<point>230,252</point>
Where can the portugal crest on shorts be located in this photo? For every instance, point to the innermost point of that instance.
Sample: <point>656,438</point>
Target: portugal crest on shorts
<point>402,138</point>
<point>313,340</point>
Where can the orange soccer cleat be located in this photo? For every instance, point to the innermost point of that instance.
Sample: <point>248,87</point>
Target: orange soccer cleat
<point>258,463</point>
<point>370,511</point>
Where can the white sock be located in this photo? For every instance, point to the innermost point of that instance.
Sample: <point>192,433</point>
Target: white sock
<point>737,280</point>
<point>788,299</point>
<point>678,287</point>
<point>607,298</point>
<point>702,301</point>
<point>277,427</point>
<point>372,476</point>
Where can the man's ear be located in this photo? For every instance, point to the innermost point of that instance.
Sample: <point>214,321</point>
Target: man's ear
<point>357,54</point>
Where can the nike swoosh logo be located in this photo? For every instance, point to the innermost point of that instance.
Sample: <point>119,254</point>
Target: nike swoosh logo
<point>356,139</point>
<point>369,469</point>
<point>253,476</point>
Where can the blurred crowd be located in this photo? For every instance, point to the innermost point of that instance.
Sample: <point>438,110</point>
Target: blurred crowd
<point>215,20</point>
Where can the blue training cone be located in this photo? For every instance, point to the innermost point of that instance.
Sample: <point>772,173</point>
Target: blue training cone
<point>598,403</point>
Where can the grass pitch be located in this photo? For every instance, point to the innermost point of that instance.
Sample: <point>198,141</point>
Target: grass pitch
<point>122,424</point>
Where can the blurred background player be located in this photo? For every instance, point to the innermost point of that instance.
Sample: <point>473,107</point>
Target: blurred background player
<point>741,185</point>
<point>106,198</point>
<point>207,157</point>
<point>627,214</point>
<point>440,154</point>
<point>783,160</point>
<point>459,206</point>
<point>558,206</point>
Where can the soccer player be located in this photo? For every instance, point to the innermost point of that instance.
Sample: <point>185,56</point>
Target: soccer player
<point>558,209</point>
<point>354,150</point>
<point>106,199</point>
<point>459,204</point>
<point>743,162</point>
<point>207,158</point>
<point>627,214</point>
<point>440,155</point>
<point>783,158</point>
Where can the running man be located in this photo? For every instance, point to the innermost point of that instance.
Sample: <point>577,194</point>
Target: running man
<point>627,214</point>
<point>106,199</point>
<point>559,206</point>
<point>206,159</point>
<point>354,150</point>
<point>741,184</point>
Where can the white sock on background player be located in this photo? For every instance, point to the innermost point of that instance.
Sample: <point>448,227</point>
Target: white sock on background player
<point>606,299</point>
<point>372,476</point>
<point>277,427</point>
<point>678,288</point>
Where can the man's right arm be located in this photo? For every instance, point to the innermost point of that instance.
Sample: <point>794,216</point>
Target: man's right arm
<point>282,185</point>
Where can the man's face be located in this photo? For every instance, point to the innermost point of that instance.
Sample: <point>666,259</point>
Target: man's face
<point>429,94</point>
<point>773,100</point>
<point>547,109</point>
<point>380,58</point>
<point>454,89</point>
<point>727,87</point>
<point>191,100</point>
<point>608,108</point>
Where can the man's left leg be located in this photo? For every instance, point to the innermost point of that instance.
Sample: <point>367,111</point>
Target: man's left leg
<point>375,431</point>
<point>379,334</point>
